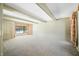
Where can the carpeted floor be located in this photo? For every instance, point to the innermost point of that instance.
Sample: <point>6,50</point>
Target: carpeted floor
<point>37,46</point>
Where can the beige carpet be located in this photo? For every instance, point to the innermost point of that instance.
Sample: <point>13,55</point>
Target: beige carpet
<point>37,46</point>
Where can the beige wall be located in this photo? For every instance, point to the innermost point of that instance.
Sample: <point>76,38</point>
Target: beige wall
<point>30,29</point>
<point>1,40</point>
<point>67,28</point>
<point>0,36</point>
<point>57,29</point>
<point>0,32</point>
<point>8,29</point>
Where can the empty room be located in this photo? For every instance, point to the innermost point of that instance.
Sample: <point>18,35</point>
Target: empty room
<point>39,29</point>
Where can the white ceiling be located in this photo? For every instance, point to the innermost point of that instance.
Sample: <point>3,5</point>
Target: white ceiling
<point>61,10</point>
<point>32,10</point>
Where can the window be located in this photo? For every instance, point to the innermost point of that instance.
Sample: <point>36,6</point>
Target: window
<point>21,29</point>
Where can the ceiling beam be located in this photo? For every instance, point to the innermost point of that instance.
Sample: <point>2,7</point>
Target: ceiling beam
<point>45,8</point>
<point>63,18</point>
<point>11,17</point>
